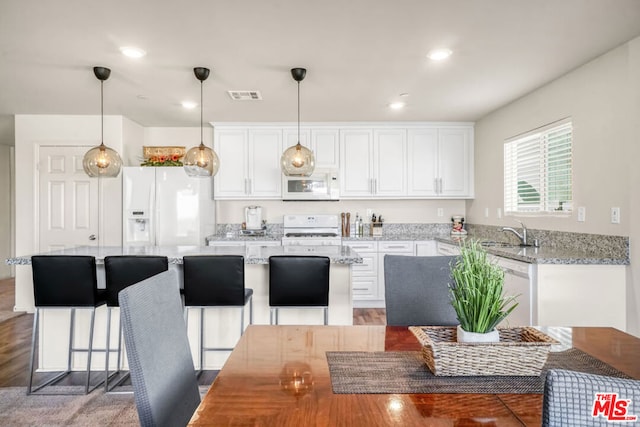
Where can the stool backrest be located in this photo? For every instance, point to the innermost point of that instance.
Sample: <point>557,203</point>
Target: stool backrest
<point>125,270</point>
<point>298,281</point>
<point>64,281</point>
<point>162,372</point>
<point>213,280</point>
<point>417,291</point>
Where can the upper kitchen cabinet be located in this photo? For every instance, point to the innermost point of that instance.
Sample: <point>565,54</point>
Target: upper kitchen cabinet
<point>440,162</point>
<point>324,142</point>
<point>372,163</point>
<point>249,163</point>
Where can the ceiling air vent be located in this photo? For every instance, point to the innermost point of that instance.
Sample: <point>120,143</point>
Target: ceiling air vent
<point>245,95</point>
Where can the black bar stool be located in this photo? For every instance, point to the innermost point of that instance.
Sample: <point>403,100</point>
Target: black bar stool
<point>215,281</point>
<point>298,282</point>
<point>122,271</point>
<point>68,282</point>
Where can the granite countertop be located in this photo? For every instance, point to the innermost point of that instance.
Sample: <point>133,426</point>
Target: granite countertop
<point>252,254</point>
<point>549,254</point>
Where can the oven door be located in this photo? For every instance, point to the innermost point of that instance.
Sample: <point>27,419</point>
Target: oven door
<point>318,186</point>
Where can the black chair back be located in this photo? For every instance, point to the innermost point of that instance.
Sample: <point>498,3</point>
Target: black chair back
<point>65,281</point>
<point>122,271</point>
<point>214,280</point>
<point>298,281</point>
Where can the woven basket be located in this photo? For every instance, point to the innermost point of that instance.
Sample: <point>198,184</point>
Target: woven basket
<point>521,351</point>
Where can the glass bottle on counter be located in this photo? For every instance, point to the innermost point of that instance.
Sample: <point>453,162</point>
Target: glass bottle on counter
<point>359,226</point>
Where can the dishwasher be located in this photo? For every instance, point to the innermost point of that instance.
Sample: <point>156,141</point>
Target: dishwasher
<point>519,280</point>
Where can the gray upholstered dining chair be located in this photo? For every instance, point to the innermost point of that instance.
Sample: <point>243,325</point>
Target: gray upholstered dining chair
<point>162,372</point>
<point>569,399</point>
<point>417,291</point>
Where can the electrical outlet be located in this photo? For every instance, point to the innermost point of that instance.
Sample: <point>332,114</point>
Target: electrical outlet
<point>499,213</point>
<point>582,214</point>
<point>615,215</point>
<point>440,212</point>
<point>486,212</point>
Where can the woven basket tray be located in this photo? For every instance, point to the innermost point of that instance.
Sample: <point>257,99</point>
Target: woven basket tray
<point>521,351</point>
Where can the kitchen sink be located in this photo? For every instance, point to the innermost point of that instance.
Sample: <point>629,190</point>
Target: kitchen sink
<point>493,244</point>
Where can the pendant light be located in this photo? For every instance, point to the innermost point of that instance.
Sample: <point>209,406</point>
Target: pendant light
<point>298,160</point>
<point>201,161</point>
<point>102,160</point>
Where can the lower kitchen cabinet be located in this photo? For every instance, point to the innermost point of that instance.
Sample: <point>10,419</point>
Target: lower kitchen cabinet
<point>368,278</point>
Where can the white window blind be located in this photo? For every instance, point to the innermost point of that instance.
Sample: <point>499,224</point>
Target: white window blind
<point>538,172</point>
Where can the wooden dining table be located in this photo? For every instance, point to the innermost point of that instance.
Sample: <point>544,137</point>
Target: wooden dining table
<point>279,376</point>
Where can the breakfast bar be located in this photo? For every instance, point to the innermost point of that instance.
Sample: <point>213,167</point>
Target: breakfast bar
<point>55,323</point>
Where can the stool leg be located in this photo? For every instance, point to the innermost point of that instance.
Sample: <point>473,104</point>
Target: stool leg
<point>241,320</point>
<point>107,352</point>
<point>201,338</point>
<point>251,310</point>
<point>326,315</point>
<point>71,333</point>
<point>34,334</point>
<point>93,318</point>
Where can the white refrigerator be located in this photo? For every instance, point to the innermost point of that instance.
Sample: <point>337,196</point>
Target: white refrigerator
<point>162,206</point>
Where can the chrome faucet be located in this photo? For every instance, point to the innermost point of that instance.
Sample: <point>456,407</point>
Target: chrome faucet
<point>522,236</point>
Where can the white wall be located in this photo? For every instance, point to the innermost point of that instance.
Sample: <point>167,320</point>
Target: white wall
<point>6,184</point>
<point>33,131</point>
<point>602,99</point>
<point>392,211</point>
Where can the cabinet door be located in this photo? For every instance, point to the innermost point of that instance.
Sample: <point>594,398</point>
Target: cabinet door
<point>325,144</point>
<point>290,138</point>
<point>356,164</point>
<point>456,168</point>
<point>265,175</point>
<point>390,153</point>
<point>422,162</point>
<point>231,180</point>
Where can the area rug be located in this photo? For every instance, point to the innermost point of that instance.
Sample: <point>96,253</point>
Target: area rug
<point>95,409</point>
<point>405,372</point>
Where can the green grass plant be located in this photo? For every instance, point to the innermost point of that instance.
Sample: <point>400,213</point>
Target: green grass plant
<point>477,292</point>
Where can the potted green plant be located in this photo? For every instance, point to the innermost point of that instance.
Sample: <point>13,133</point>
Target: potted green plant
<point>477,295</point>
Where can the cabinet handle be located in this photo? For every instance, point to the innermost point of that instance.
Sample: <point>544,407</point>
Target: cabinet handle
<point>360,289</point>
<point>440,185</point>
<point>397,247</point>
<point>375,186</point>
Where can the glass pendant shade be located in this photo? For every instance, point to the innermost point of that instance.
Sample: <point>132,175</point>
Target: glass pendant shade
<point>201,161</point>
<point>102,161</point>
<point>297,160</point>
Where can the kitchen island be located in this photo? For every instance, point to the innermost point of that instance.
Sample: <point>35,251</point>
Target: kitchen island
<point>220,322</point>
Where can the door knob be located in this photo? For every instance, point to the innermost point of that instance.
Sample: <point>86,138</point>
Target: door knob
<point>92,237</point>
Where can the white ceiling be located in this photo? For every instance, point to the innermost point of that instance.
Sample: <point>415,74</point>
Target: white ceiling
<point>360,55</point>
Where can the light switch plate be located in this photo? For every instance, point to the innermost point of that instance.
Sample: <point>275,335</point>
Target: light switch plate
<point>615,215</point>
<point>582,214</point>
<point>486,212</point>
<point>499,213</point>
<point>440,212</point>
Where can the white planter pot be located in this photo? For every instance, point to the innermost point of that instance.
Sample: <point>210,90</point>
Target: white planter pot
<point>475,337</point>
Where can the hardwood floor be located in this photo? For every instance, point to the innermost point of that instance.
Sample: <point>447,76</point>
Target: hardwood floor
<point>15,337</point>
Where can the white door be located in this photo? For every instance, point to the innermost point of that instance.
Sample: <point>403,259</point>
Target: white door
<point>356,163</point>
<point>231,181</point>
<point>326,147</point>
<point>455,161</point>
<point>68,199</point>
<point>265,175</point>
<point>422,162</point>
<point>390,153</point>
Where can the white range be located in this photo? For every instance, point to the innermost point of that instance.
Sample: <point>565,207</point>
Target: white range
<point>311,230</point>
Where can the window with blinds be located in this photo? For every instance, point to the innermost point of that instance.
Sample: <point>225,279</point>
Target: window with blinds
<point>537,170</point>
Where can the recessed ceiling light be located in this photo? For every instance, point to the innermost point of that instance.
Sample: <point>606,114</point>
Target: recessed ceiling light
<point>189,105</point>
<point>396,105</point>
<point>132,52</point>
<point>439,54</point>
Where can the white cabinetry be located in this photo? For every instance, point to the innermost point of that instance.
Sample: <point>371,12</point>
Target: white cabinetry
<point>440,162</point>
<point>426,248</point>
<point>249,163</point>
<point>368,278</point>
<point>364,277</point>
<point>373,163</point>
<point>324,142</point>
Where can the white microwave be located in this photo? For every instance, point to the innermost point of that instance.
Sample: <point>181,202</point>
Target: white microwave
<point>321,185</point>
